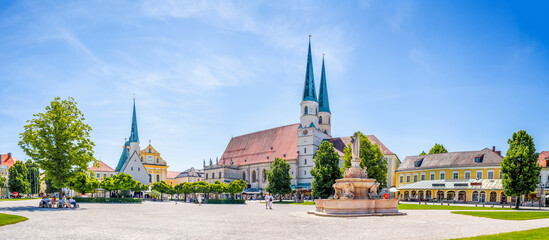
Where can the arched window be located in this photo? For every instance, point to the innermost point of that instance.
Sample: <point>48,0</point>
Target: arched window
<point>219,175</point>
<point>243,175</point>
<point>254,177</point>
<point>320,119</point>
<point>305,162</point>
<point>306,111</point>
<point>206,176</point>
<point>157,178</point>
<point>264,175</point>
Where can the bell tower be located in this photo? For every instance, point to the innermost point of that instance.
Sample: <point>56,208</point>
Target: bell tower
<point>325,116</point>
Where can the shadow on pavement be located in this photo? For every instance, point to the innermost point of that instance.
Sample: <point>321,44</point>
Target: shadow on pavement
<point>37,209</point>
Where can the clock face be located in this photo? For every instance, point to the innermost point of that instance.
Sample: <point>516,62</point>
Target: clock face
<point>305,132</point>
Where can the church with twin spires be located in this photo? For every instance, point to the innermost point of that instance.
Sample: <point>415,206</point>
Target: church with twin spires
<point>249,156</point>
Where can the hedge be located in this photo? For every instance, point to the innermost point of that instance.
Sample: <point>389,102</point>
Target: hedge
<point>108,200</point>
<point>223,201</point>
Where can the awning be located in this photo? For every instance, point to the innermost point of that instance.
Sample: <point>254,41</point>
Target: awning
<point>252,191</point>
<point>303,186</point>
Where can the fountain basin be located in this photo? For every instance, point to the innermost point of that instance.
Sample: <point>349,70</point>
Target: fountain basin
<point>356,207</point>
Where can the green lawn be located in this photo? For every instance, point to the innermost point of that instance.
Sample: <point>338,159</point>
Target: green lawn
<point>539,233</point>
<point>445,207</point>
<point>509,215</point>
<point>6,219</point>
<point>17,199</point>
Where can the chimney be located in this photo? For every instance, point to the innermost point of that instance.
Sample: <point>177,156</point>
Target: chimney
<point>9,155</point>
<point>493,148</point>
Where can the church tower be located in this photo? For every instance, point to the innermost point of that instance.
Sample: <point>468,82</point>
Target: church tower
<point>309,103</point>
<point>325,116</point>
<point>309,135</point>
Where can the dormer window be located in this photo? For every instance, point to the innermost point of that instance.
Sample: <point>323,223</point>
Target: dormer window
<point>479,158</point>
<point>418,163</point>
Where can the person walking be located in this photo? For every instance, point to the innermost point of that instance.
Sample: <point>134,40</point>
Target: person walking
<point>267,201</point>
<point>199,200</point>
<point>271,201</point>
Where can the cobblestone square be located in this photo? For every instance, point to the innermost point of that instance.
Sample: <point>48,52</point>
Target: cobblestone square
<point>167,220</point>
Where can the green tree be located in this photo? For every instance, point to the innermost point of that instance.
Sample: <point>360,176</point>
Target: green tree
<point>183,188</point>
<point>202,187</point>
<point>49,187</point>
<point>236,186</point>
<point>34,176</point>
<point>155,194</point>
<point>2,183</point>
<point>59,141</point>
<point>422,153</point>
<point>18,180</point>
<point>279,178</point>
<point>217,187</point>
<point>161,187</point>
<point>83,183</point>
<point>438,148</point>
<point>519,167</point>
<point>325,171</point>
<point>108,184</point>
<point>123,181</point>
<point>371,157</point>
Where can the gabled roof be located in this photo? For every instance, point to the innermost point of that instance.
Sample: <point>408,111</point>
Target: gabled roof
<point>125,155</point>
<point>451,159</point>
<point>323,103</point>
<point>309,92</point>
<point>341,142</point>
<point>7,159</point>
<point>172,174</point>
<point>103,167</point>
<point>255,147</point>
<point>543,157</point>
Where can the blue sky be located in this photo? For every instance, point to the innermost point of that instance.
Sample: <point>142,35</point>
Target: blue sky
<point>466,74</point>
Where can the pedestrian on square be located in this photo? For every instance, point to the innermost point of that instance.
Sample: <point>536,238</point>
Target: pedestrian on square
<point>271,201</point>
<point>267,201</point>
<point>199,200</point>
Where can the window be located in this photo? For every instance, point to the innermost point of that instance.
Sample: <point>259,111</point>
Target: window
<point>157,178</point>
<point>304,150</point>
<point>104,175</point>
<point>479,174</point>
<point>467,175</point>
<point>422,176</point>
<point>243,175</point>
<point>401,178</point>
<point>156,160</point>
<point>98,175</point>
<point>254,176</point>
<point>320,119</point>
<point>547,178</point>
<point>138,169</point>
<point>213,175</point>
<point>206,176</point>
<point>305,172</point>
<point>306,111</point>
<point>150,178</point>
<point>455,175</point>
<point>415,177</point>
<point>418,163</point>
<point>111,174</point>
<point>219,174</point>
<point>432,176</point>
<point>500,174</point>
<point>442,175</point>
<point>408,177</point>
<point>490,174</point>
<point>265,175</point>
<point>305,161</point>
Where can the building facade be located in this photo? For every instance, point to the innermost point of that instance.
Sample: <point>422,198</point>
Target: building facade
<point>249,156</point>
<point>156,167</point>
<point>101,171</point>
<point>6,161</point>
<point>190,175</point>
<point>472,176</point>
<point>543,186</point>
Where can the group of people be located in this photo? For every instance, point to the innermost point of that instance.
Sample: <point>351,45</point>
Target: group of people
<point>63,202</point>
<point>269,201</point>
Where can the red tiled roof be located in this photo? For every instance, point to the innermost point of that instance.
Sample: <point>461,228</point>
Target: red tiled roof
<point>7,159</point>
<point>255,147</point>
<point>341,142</point>
<point>543,157</point>
<point>172,174</point>
<point>103,167</point>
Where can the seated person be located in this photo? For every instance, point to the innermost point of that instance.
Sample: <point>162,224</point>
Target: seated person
<point>71,201</point>
<point>62,202</point>
<point>43,202</point>
<point>53,202</point>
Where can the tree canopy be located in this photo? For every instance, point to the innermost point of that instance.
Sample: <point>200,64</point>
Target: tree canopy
<point>325,171</point>
<point>236,186</point>
<point>59,141</point>
<point>438,148</point>
<point>371,157</point>
<point>279,178</point>
<point>18,180</point>
<point>83,183</point>
<point>422,153</point>
<point>519,168</point>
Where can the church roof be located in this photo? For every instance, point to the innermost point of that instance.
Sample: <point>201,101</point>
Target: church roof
<point>451,160</point>
<point>323,103</point>
<point>125,154</point>
<point>309,93</point>
<point>134,136</point>
<point>341,142</point>
<point>263,146</point>
<point>172,174</point>
<point>103,167</point>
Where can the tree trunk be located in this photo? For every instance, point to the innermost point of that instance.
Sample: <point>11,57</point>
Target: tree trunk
<point>518,203</point>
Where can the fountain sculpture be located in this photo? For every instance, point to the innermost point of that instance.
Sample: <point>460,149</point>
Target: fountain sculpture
<point>355,194</point>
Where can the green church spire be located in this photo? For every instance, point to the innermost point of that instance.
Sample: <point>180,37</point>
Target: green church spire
<point>134,136</point>
<point>309,93</point>
<point>323,103</point>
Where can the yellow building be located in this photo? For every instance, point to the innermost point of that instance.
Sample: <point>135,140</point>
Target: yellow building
<point>472,176</point>
<point>155,165</point>
<point>101,171</point>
